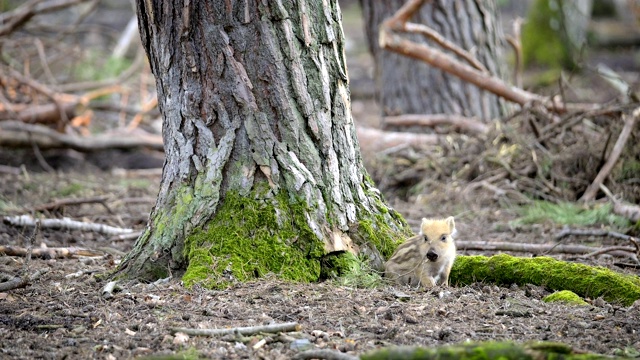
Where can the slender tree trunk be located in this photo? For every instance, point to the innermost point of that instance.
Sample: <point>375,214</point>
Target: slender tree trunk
<point>406,86</point>
<point>263,171</point>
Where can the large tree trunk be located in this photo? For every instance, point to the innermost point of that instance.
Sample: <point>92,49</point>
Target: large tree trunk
<point>263,172</point>
<point>406,86</point>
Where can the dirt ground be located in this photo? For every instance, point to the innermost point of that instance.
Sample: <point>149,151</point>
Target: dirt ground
<point>63,314</point>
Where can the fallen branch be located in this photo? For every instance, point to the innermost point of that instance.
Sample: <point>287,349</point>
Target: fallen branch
<point>606,250</point>
<point>12,20</point>
<point>377,140</point>
<point>629,211</point>
<point>629,123</point>
<point>75,201</point>
<point>471,125</point>
<point>566,231</point>
<point>47,253</point>
<point>541,249</point>
<point>251,330</point>
<point>18,134</point>
<point>324,354</point>
<point>390,40</point>
<point>20,282</point>
<point>66,224</point>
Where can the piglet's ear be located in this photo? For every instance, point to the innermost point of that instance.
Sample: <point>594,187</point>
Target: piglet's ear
<point>424,222</point>
<point>451,223</point>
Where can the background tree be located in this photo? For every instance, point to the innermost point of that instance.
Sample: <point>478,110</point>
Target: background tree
<point>406,86</point>
<point>263,172</point>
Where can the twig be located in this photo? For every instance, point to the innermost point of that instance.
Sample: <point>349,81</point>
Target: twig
<point>16,18</point>
<point>434,57</point>
<point>629,123</point>
<point>29,250</point>
<point>324,354</point>
<point>516,44</point>
<point>123,237</point>
<point>18,134</point>
<point>630,211</point>
<point>20,282</point>
<point>66,202</point>
<point>67,224</point>
<point>566,231</point>
<point>378,140</point>
<point>47,253</point>
<point>472,125</point>
<point>604,251</point>
<point>445,44</point>
<point>540,248</point>
<point>107,291</point>
<point>251,330</point>
<point>4,169</point>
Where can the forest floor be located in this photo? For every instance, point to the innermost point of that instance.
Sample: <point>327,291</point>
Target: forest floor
<point>63,314</point>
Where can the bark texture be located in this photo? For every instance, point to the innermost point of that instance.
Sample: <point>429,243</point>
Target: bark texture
<point>406,86</point>
<point>256,105</point>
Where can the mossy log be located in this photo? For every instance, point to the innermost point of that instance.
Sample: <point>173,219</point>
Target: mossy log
<point>488,350</point>
<point>584,280</point>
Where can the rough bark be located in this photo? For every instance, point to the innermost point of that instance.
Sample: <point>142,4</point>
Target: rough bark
<point>406,86</point>
<point>258,134</point>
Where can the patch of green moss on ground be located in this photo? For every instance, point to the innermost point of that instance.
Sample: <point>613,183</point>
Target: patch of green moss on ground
<point>565,297</point>
<point>542,39</point>
<point>250,237</point>
<point>347,269</point>
<point>568,213</point>
<point>482,351</point>
<point>584,280</point>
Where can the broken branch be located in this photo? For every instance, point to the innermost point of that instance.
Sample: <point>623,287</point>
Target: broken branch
<point>251,330</point>
<point>472,125</point>
<point>541,249</point>
<point>629,123</point>
<point>47,253</point>
<point>18,134</point>
<point>66,224</point>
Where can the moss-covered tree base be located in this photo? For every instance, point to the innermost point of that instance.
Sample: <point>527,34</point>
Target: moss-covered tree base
<point>251,236</point>
<point>484,351</point>
<point>584,280</point>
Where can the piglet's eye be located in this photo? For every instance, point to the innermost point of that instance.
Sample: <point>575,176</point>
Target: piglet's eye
<point>443,238</point>
<point>426,238</point>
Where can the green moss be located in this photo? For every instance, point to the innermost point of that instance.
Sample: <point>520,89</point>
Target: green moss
<point>251,236</point>
<point>543,39</point>
<point>567,213</point>
<point>379,233</point>
<point>482,351</point>
<point>70,189</point>
<point>566,297</point>
<point>629,170</point>
<point>347,269</point>
<point>586,281</point>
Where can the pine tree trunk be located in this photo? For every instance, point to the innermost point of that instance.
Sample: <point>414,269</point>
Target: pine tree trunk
<point>263,171</point>
<point>406,86</point>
